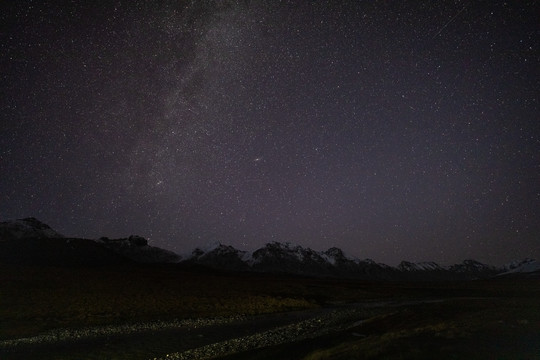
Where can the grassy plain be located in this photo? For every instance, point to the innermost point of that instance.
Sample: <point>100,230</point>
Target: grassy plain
<point>488,319</point>
<point>34,299</point>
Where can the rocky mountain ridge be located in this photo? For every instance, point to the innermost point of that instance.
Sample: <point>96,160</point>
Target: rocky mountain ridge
<point>279,257</point>
<point>31,241</point>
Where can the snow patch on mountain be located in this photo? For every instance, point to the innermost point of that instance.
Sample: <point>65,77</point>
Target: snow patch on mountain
<point>329,259</point>
<point>335,256</point>
<point>247,257</point>
<point>420,266</point>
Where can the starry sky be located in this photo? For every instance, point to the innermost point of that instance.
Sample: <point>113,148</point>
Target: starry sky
<point>395,130</point>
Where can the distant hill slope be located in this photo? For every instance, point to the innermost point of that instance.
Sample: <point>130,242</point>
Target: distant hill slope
<point>31,242</point>
<point>136,248</point>
<point>57,252</point>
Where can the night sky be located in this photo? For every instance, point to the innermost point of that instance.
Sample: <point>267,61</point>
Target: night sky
<point>395,130</point>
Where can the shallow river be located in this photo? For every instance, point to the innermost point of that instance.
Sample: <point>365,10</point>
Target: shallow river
<point>149,344</point>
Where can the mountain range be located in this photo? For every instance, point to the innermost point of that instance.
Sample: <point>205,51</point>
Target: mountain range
<point>30,242</point>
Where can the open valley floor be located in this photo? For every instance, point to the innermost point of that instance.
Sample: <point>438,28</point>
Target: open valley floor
<point>167,312</point>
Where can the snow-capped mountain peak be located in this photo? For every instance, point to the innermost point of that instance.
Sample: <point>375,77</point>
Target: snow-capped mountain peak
<point>472,266</point>
<point>27,228</point>
<point>523,266</point>
<point>280,250</point>
<point>517,263</point>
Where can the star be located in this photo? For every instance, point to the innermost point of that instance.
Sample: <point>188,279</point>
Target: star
<point>375,127</point>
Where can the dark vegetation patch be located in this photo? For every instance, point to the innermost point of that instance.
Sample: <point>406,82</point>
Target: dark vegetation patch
<point>461,328</point>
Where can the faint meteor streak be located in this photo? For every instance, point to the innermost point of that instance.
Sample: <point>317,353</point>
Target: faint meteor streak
<point>448,23</point>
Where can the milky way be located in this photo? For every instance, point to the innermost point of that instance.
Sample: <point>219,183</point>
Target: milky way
<point>396,130</point>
